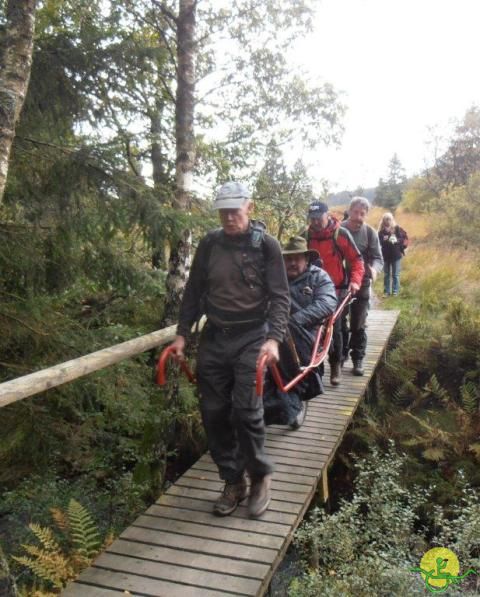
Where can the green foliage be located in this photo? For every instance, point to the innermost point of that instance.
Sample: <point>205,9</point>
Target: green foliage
<point>282,196</point>
<point>51,563</point>
<point>389,192</point>
<point>460,208</point>
<point>419,197</point>
<point>369,545</point>
<point>461,160</point>
<point>83,530</point>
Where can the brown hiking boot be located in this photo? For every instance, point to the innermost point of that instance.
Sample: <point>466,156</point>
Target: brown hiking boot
<point>259,496</point>
<point>233,494</point>
<point>358,367</point>
<point>335,374</point>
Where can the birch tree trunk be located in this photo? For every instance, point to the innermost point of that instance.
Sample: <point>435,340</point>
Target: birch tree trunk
<point>15,64</point>
<point>184,112</point>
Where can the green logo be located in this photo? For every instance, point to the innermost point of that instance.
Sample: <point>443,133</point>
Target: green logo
<point>439,568</point>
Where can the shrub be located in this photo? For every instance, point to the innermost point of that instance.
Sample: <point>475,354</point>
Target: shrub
<point>370,544</point>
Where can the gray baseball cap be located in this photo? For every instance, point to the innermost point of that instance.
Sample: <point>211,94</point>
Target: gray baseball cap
<point>231,195</point>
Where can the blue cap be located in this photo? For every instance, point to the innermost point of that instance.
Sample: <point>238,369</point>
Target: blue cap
<point>316,209</point>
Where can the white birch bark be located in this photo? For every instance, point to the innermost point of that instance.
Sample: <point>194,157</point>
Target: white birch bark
<point>15,65</point>
<point>184,113</point>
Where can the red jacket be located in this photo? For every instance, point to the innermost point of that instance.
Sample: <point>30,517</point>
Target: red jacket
<point>335,245</point>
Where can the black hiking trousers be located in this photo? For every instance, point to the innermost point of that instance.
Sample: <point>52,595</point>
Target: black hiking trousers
<point>354,329</point>
<point>231,411</point>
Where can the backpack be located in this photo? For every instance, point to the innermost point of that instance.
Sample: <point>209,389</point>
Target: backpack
<point>253,259</point>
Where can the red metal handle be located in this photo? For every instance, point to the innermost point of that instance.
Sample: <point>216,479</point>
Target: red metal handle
<point>260,375</point>
<point>166,354</point>
<point>316,359</point>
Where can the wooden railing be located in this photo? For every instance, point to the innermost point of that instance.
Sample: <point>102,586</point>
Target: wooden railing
<point>34,383</point>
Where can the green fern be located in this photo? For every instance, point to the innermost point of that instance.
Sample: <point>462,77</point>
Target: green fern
<point>469,396</point>
<point>434,388</point>
<point>47,562</point>
<point>83,529</point>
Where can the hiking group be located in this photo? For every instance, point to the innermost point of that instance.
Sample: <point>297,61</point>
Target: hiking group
<point>263,302</point>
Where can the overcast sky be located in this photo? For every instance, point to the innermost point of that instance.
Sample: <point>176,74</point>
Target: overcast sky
<point>404,66</point>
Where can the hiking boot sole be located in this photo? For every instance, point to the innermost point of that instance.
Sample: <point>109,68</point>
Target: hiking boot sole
<point>228,511</point>
<point>261,511</point>
<point>225,512</point>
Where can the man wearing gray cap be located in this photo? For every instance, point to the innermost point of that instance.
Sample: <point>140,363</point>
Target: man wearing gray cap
<point>238,279</point>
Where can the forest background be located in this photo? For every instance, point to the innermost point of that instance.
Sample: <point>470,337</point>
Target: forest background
<point>96,208</point>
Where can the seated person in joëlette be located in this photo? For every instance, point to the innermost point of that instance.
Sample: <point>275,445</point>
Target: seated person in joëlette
<point>313,299</point>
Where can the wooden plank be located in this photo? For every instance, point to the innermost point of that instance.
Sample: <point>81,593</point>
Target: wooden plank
<point>250,553</point>
<point>199,505</point>
<point>325,417</point>
<point>285,483</point>
<point>79,590</point>
<point>256,526</point>
<point>165,555</point>
<point>298,448</point>
<point>330,410</point>
<point>275,505</point>
<point>204,579</point>
<point>208,532</point>
<point>279,475</point>
<point>278,494</point>
<point>305,437</point>
<point>136,584</point>
<point>279,456</point>
<point>339,399</point>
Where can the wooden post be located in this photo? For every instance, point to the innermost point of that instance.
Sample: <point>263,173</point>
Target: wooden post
<point>325,491</point>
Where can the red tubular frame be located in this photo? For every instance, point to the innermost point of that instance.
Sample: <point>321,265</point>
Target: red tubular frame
<point>166,354</point>
<point>316,359</point>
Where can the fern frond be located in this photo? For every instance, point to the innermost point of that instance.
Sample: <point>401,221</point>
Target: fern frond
<point>475,448</point>
<point>83,529</point>
<point>109,539</point>
<point>469,397</point>
<point>435,454</point>
<point>435,389</point>
<point>45,536</point>
<point>52,567</point>
<point>413,441</point>
<point>60,518</point>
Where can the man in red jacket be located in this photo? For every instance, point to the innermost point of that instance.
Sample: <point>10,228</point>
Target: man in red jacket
<point>343,263</point>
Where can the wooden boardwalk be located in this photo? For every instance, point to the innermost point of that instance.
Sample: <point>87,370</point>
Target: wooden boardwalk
<point>177,548</point>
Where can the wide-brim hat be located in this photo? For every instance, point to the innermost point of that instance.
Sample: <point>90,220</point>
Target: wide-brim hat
<point>298,244</point>
<point>231,195</point>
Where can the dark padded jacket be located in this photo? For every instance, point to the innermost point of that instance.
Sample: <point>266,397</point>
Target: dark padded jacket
<point>313,298</point>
